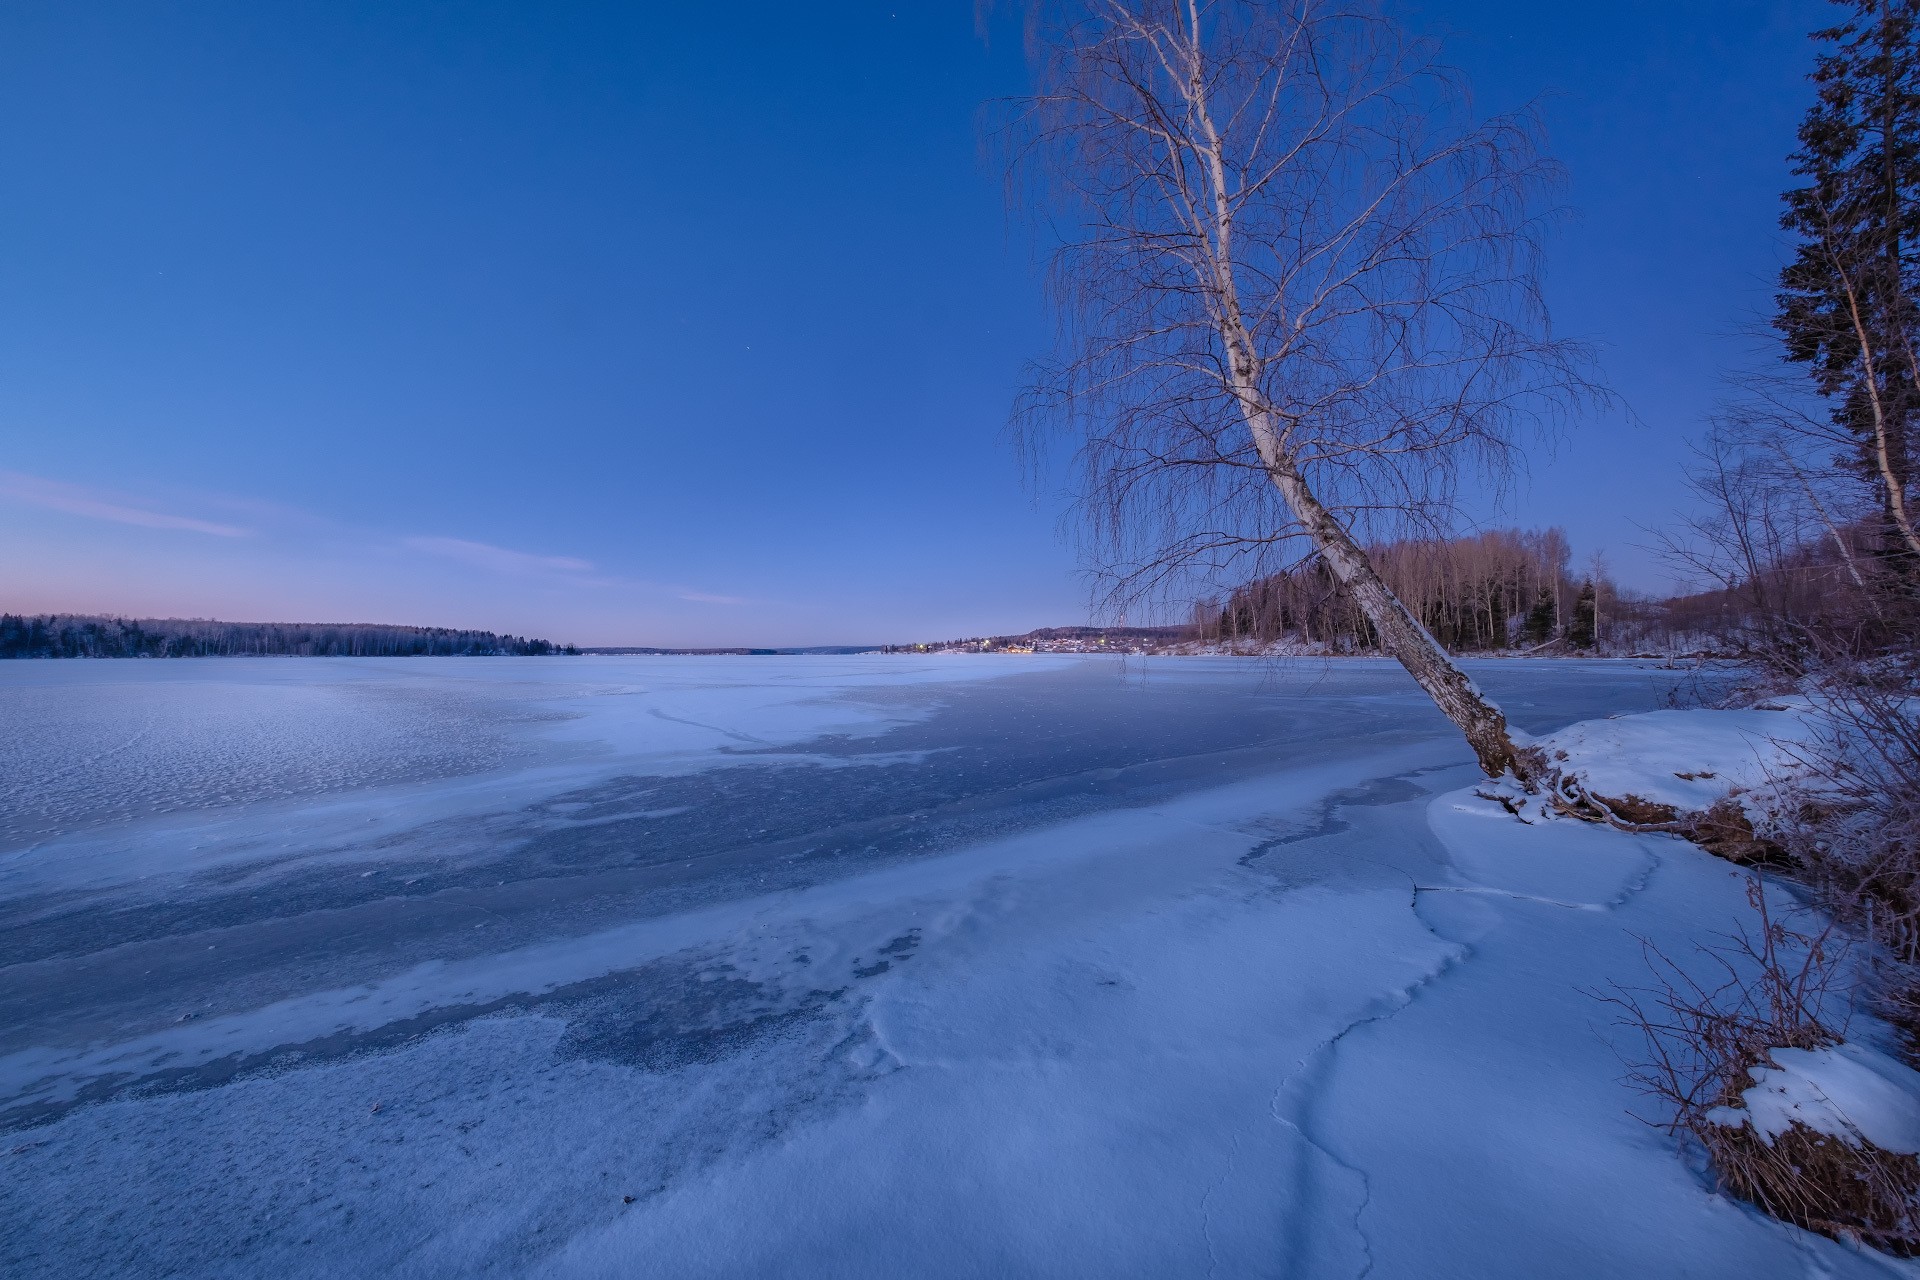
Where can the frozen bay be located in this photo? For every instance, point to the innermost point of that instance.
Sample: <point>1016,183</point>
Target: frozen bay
<point>868,966</point>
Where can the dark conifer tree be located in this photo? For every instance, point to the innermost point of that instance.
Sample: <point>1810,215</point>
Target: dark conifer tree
<point>1847,298</point>
<point>1581,631</point>
<point>1540,619</point>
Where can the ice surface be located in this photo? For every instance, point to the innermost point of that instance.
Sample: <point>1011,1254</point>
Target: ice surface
<point>839,967</point>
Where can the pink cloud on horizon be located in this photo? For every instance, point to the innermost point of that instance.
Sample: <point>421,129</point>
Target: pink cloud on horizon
<point>499,559</point>
<point>52,495</point>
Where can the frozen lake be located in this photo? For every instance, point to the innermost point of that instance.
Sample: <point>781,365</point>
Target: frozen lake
<point>813,966</point>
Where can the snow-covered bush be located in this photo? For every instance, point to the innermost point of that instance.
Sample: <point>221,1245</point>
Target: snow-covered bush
<point>1828,1138</point>
<point>1753,1063</point>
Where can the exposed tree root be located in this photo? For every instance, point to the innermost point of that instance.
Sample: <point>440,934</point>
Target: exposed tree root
<point>1722,829</point>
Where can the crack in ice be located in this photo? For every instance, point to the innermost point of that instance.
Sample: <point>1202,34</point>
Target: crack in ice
<point>1316,1066</point>
<point>1206,1205</point>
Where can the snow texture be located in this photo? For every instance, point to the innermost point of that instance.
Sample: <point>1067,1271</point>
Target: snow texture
<point>1847,1091</point>
<point>1687,759</point>
<point>837,967</point>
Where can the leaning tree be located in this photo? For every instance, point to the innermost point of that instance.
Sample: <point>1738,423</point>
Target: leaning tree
<point>1298,283</point>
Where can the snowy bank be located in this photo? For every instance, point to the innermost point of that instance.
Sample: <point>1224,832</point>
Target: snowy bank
<point>1846,1091</point>
<point>1817,1130</point>
<point>1666,767</point>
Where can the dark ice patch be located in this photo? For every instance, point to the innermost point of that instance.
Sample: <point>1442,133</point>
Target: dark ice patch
<point>659,1017</point>
<point>687,1022</point>
<point>1326,819</point>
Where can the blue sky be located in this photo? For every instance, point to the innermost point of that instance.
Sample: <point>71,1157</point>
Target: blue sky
<point>681,324</point>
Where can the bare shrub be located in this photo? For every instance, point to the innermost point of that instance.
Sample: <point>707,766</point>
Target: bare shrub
<point>1775,990</point>
<point>1860,831</point>
<point>1774,987</point>
<point>1782,546</point>
<point>1855,828</point>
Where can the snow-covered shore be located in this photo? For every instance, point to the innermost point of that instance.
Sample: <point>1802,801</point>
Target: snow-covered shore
<point>1689,760</point>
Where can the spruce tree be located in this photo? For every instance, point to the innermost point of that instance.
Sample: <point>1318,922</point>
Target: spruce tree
<point>1540,619</point>
<point>1582,633</point>
<point>1846,306</point>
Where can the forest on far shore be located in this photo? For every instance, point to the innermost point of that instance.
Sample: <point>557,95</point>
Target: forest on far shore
<point>81,636</point>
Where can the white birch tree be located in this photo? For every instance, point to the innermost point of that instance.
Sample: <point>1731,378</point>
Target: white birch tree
<point>1299,291</point>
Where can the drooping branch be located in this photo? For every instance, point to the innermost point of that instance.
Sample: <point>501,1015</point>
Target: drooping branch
<point>1303,300</point>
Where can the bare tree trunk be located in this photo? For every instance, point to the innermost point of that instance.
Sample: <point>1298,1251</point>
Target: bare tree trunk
<point>1888,460</point>
<point>1401,634</point>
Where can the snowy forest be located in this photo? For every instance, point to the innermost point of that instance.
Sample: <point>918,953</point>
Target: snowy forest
<point>79,636</point>
<point>1506,589</point>
<point>1513,590</point>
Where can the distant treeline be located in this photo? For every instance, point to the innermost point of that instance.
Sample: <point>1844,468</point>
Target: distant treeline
<point>1513,589</point>
<point>1504,589</point>
<point>1496,590</point>
<point>79,636</point>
